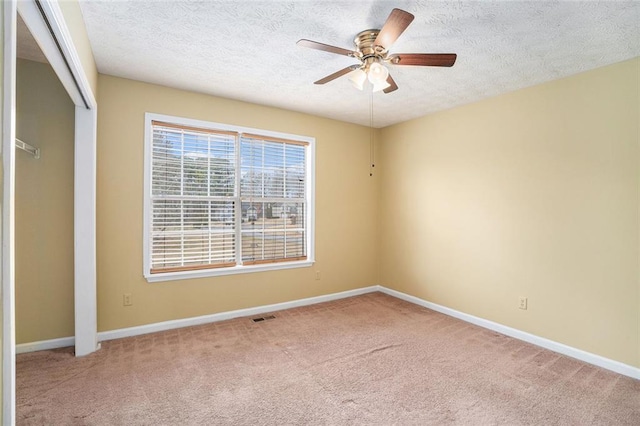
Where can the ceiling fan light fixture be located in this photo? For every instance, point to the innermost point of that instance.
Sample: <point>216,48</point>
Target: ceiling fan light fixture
<point>380,86</point>
<point>358,78</point>
<point>372,53</point>
<point>378,74</point>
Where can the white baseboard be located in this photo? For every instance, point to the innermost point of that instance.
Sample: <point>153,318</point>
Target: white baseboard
<point>205,319</point>
<point>44,345</point>
<point>561,348</point>
<point>600,361</point>
<point>187,322</point>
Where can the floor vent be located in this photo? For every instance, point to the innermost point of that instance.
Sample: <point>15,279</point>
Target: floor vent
<point>259,319</point>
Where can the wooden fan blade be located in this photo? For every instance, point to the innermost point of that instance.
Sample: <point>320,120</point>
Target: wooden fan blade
<point>424,59</point>
<point>325,47</point>
<point>393,86</point>
<point>337,74</point>
<point>397,22</point>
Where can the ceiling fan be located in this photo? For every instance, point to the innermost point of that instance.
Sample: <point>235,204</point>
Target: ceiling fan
<point>372,51</point>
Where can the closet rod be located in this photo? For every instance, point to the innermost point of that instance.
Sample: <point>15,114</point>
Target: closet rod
<point>26,147</point>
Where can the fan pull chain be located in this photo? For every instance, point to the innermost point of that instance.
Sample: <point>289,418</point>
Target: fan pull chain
<point>371,137</point>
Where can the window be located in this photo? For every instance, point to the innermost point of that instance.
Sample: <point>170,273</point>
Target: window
<point>222,199</point>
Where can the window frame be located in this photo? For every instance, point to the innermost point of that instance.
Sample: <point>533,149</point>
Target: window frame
<point>238,268</point>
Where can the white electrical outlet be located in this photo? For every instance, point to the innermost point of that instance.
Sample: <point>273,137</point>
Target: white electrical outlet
<point>523,303</point>
<point>126,299</point>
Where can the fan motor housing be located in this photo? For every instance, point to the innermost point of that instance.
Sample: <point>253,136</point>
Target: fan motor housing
<point>364,42</point>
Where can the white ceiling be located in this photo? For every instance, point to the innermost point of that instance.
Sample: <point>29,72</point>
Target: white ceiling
<point>247,50</point>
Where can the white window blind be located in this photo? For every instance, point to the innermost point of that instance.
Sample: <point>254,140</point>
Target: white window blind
<point>221,199</point>
<point>193,198</point>
<point>273,200</point>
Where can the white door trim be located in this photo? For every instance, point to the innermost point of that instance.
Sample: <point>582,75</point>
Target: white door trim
<point>84,223</point>
<point>8,212</point>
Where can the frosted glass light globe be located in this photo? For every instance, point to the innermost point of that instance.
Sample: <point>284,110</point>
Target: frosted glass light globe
<point>358,77</point>
<point>378,73</point>
<point>380,86</point>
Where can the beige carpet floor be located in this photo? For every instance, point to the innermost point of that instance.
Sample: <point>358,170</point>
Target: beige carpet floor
<point>371,359</point>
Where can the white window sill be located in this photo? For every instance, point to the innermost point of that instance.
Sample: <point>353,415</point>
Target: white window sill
<point>217,272</point>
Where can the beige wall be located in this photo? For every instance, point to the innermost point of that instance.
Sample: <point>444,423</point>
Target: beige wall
<point>44,206</point>
<point>533,193</point>
<point>75,24</point>
<point>345,209</point>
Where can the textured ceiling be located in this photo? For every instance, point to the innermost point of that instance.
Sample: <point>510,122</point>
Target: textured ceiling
<point>247,50</point>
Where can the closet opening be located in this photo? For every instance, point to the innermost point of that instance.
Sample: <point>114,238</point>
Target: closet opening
<point>44,199</point>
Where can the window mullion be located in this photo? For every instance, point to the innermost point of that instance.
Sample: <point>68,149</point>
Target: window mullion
<point>284,191</point>
<point>238,200</point>
<point>182,209</point>
<point>209,203</point>
<point>262,195</point>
